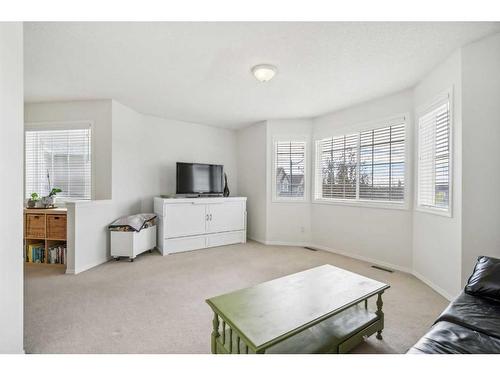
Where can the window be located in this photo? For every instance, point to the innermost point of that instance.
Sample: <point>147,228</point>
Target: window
<point>57,157</point>
<point>382,164</point>
<point>289,170</point>
<point>364,166</point>
<point>433,191</point>
<point>338,167</point>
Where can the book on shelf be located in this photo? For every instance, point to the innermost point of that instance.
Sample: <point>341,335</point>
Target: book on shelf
<point>55,254</point>
<point>35,253</point>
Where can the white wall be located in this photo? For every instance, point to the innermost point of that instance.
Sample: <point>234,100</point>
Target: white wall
<point>377,234</point>
<point>146,149</point>
<point>288,222</point>
<point>437,239</point>
<point>251,160</point>
<point>481,154</point>
<point>96,111</point>
<point>11,159</point>
<point>88,237</point>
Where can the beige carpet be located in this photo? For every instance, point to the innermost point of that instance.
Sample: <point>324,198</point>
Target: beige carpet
<point>157,304</point>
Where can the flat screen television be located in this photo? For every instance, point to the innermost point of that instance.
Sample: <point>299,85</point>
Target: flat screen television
<point>195,178</point>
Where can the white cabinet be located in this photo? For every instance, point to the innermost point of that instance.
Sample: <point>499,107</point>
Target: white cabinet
<point>185,219</point>
<point>226,216</point>
<point>196,223</point>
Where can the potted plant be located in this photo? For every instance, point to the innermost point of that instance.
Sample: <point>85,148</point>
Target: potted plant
<point>33,200</point>
<point>48,201</point>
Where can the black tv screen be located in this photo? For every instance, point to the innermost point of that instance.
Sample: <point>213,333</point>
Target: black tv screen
<point>193,178</point>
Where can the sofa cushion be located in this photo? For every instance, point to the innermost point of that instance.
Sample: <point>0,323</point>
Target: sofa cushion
<point>478,314</point>
<point>450,338</point>
<point>485,279</point>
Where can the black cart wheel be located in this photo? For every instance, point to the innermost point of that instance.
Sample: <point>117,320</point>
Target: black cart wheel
<point>117,258</point>
<point>131,260</point>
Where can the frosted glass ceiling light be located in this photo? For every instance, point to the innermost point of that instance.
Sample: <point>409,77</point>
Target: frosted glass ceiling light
<point>264,72</point>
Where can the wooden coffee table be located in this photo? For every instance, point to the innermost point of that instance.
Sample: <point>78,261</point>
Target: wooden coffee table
<point>320,310</point>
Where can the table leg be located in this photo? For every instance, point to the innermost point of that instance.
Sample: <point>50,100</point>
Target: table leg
<point>380,314</point>
<point>215,333</point>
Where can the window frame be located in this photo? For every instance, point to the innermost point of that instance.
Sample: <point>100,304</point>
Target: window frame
<point>421,111</point>
<point>305,198</point>
<point>358,129</point>
<point>63,125</point>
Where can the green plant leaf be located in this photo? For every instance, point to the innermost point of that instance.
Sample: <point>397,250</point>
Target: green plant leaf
<point>54,191</point>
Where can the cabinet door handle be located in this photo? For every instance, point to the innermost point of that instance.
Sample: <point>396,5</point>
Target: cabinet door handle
<point>210,217</point>
<point>207,218</point>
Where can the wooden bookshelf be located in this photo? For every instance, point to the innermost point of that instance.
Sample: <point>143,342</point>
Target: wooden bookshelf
<point>47,227</point>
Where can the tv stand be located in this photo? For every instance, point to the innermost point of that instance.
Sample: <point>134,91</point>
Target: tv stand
<point>197,223</point>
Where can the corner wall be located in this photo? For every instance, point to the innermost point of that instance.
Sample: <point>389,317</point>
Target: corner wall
<point>481,155</point>
<point>437,239</point>
<point>288,223</point>
<point>11,159</point>
<point>251,160</point>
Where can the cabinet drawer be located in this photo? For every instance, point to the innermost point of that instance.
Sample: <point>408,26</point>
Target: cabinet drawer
<point>175,245</point>
<point>356,339</point>
<point>35,226</point>
<point>56,227</point>
<point>221,239</point>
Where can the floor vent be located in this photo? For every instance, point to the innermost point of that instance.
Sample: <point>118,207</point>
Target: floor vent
<point>310,248</point>
<point>383,269</point>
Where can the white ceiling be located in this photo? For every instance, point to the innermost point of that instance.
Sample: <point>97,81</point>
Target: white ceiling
<point>200,72</point>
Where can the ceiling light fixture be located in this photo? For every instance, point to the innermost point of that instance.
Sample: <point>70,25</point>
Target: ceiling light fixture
<point>264,72</point>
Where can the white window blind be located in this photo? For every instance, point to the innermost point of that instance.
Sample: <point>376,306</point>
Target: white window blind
<point>336,167</point>
<point>58,159</point>
<point>434,157</point>
<point>289,169</point>
<point>382,163</point>
<point>363,166</point>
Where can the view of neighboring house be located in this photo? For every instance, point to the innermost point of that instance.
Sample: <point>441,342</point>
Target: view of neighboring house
<point>289,185</point>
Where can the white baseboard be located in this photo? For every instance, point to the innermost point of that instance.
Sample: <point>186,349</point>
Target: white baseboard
<point>90,265</point>
<point>324,248</point>
<point>259,240</point>
<point>284,243</point>
<point>426,281</point>
<point>364,259</point>
<point>433,286</point>
<point>279,243</point>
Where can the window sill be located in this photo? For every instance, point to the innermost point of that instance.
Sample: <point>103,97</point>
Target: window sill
<point>434,211</point>
<point>365,204</point>
<point>285,200</point>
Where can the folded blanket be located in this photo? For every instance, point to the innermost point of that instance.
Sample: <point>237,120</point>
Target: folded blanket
<point>133,223</point>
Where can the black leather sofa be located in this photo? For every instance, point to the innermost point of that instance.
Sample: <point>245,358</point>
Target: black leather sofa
<point>471,323</point>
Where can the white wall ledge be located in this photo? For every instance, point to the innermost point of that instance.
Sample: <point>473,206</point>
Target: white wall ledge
<point>84,203</point>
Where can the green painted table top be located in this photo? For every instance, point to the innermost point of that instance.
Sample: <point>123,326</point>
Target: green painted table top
<point>279,308</point>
